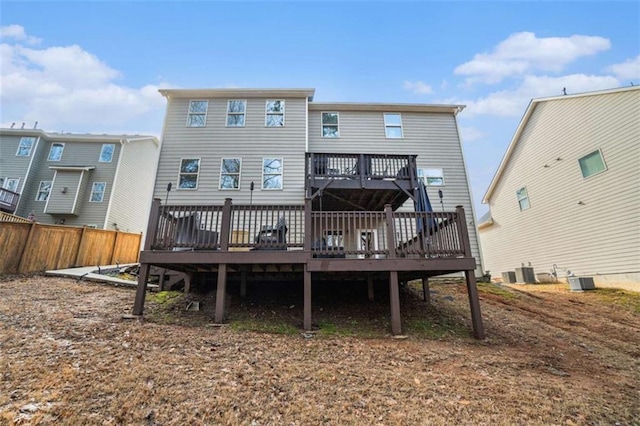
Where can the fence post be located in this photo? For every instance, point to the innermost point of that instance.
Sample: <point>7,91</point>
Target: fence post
<point>25,249</point>
<point>114,260</point>
<point>76,261</point>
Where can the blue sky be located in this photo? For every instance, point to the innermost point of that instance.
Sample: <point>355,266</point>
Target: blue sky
<point>96,66</point>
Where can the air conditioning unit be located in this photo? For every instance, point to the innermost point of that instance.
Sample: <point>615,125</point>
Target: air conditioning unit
<point>581,283</point>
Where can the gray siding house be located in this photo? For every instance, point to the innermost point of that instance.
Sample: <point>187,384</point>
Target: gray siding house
<point>566,196</point>
<point>101,181</point>
<point>263,184</point>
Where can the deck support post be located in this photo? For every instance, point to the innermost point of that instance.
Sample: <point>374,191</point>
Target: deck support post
<point>243,282</point>
<point>474,303</point>
<point>221,293</point>
<point>394,293</point>
<point>307,299</point>
<point>141,291</point>
<point>370,287</point>
<point>187,282</point>
<point>426,295</point>
<point>161,279</point>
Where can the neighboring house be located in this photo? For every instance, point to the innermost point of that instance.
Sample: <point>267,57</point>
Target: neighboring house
<point>99,181</point>
<point>566,196</point>
<point>285,162</point>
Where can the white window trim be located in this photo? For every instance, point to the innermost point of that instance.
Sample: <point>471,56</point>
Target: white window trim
<point>50,149</point>
<point>337,126</point>
<point>239,174</point>
<point>603,162</point>
<point>226,119</point>
<point>5,184</point>
<point>401,126</point>
<point>112,153</point>
<point>189,113</point>
<point>520,199</point>
<point>93,185</point>
<point>426,175</point>
<point>181,173</point>
<point>267,113</point>
<point>30,148</point>
<point>274,174</point>
<point>40,190</point>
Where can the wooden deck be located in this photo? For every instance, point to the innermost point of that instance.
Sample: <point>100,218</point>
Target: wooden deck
<point>249,242</point>
<point>8,200</point>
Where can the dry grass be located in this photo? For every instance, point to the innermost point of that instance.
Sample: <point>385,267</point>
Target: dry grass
<point>551,357</point>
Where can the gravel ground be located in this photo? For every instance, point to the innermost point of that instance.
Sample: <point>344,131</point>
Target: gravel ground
<point>67,356</point>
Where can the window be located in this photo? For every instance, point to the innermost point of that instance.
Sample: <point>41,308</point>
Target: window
<point>189,170</point>
<point>197,116</point>
<point>334,239</point>
<point>55,153</point>
<point>592,164</point>
<point>272,173</point>
<point>432,177</point>
<point>10,184</point>
<point>44,190</point>
<point>275,114</point>
<point>25,146</point>
<point>106,154</point>
<point>393,125</point>
<point>523,198</point>
<point>97,192</point>
<point>230,173</point>
<point>330,125</point>
<point>235,113</point>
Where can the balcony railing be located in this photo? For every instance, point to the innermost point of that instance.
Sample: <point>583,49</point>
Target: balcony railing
<point>8,200</point>
<point>361,166</point>
<point>337,234</point>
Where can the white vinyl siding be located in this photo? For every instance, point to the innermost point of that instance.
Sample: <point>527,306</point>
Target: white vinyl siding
<point>25,146</point>
<point>197,116</point>
<point>586,226</point>
<point>230,169</point>
<point>236,110</point>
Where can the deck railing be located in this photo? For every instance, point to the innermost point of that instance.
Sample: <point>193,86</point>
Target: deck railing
<point>8,200</point>
<point>336,234</point>
<point>361,166</point>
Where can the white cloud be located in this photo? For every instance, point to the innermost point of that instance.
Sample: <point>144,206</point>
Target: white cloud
<point>627,70</point>
<point>523,53</point>
<point>417,87</point>
<point>470,134</point>
<point>512,103</point>
<point>66,87</point>
<point>17,33</point>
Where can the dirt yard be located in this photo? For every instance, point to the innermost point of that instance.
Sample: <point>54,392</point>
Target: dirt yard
<point>67,356</point>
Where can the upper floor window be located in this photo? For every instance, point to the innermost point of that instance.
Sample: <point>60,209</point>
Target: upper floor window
<point>235,113</point>
<point>433,177</point>
<point>106,153</point>
<point>274,113</point>
<point>230,173</point>
<point>330,125</point>
<point>25,146</point>
<point>97,192</point>
<point>189,172</point>
<point>592,164</point>
<point>43,190</point>
<point>55,153</point>
<point>523,198</point>
<point>197,113</point>
<point>272,173</point>
<point>393,125</point>
<point>10,184</point>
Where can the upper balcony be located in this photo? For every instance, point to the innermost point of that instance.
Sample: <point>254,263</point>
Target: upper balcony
<point>359,181</point>
<point>8,200</point>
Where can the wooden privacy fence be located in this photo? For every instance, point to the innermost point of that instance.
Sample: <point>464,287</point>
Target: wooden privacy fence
<point>36,247</point>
